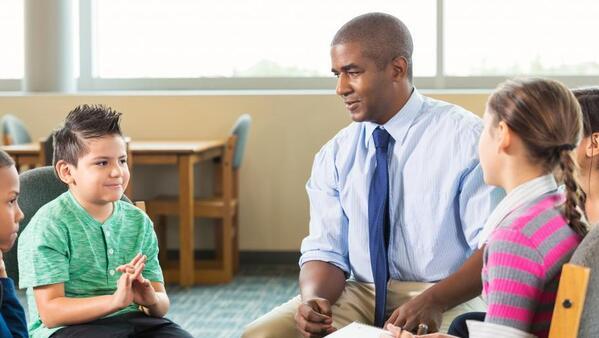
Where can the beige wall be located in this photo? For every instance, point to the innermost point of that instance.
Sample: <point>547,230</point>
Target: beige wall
<point>288,129</point>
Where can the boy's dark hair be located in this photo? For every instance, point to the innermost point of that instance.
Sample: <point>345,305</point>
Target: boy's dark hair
<point>82,123</point>
<point>5,159</point>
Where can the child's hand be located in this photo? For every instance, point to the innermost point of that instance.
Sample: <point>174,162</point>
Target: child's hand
<point>2,266</point>
<point>143,291</point>
<point>124,294</point>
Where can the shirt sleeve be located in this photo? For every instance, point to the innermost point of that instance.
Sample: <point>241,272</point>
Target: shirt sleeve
<point>476,201</point>
<point>43,254</point>
<point>515,280</point>
<point>478,329</point>
<point>152,271</point>
<point>11,310</point>
<point>327,240</point>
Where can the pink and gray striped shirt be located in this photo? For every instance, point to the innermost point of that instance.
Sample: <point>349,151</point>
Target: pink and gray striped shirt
<point>522,264</point>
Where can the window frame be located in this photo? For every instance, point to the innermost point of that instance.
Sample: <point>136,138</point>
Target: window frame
<point>86,82</point>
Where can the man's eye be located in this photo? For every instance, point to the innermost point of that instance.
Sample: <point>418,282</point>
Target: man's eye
<point>102,163</point>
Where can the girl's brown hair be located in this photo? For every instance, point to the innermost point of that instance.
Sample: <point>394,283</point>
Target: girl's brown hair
<point>546,116</point>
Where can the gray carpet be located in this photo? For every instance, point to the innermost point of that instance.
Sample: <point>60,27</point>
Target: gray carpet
<point>222,311</point>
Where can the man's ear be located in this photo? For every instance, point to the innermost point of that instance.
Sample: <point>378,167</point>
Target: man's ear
<point>400,68</point>
<point>63,169</point>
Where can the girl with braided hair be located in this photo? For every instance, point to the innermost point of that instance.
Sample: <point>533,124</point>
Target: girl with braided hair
<point>531,128</point>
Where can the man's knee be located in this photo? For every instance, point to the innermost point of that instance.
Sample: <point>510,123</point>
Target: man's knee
<point>279,322</point>
<point>269,329</point>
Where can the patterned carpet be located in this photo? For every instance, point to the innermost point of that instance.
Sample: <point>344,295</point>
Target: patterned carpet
<point>222,311</point>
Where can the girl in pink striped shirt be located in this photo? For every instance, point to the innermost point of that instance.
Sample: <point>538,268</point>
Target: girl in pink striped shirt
<point>531,128</point>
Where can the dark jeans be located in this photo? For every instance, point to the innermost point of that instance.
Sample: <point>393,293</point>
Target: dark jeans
<point>128,325</point>
<point>459,328</point>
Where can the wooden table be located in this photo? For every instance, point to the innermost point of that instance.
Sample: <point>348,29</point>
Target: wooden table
<point>184,154</point>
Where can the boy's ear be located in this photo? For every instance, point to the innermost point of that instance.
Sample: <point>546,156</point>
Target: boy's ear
<point>64,172</point>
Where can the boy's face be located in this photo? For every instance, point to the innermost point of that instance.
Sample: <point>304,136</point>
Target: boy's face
<point>10,213</point>
<point>101,175</point>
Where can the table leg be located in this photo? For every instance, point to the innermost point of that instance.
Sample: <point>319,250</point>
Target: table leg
<point>186,221</point>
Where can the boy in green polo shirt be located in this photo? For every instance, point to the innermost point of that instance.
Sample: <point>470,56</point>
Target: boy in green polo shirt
<point>89,260</point>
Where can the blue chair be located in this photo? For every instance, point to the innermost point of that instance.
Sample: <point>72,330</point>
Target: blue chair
<point>14,131</point>
<point>222,207</point>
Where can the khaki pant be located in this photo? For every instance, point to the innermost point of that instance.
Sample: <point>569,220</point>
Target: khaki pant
<point>355,304</point>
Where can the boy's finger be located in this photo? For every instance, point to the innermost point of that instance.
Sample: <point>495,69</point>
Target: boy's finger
<point>136,259</point>
<point>137,272</point>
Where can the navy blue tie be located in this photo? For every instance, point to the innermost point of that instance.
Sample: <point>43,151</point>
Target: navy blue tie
<point>379,223</point>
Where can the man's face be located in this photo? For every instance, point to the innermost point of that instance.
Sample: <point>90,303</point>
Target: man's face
<point>365,89</point>
<point>101,175</point>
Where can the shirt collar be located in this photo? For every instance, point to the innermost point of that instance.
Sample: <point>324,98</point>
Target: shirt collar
<point>399,124</point>
<point>522,194</point>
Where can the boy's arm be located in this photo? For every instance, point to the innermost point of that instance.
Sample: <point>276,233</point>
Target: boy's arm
<point>160,308</point>
<point>57,310</point>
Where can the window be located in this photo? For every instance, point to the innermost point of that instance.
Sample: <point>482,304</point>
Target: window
<point>273,44</point>
<point>232,38</point>
<point>12,54</point>
<point>511,37</point>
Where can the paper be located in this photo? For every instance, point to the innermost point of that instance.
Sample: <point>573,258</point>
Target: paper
<point>359,330</point>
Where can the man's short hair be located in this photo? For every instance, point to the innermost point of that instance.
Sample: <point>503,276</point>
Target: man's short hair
<point>82,123</point>
<point>5,159</point>
<point>383,37</point>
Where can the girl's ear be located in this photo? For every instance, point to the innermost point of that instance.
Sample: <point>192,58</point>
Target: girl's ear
<point>592,149</point>
<point>63,169</point>
<point>504,135</point>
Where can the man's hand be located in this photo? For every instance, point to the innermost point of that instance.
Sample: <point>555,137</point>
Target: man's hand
<point>314,318</point>
<point>419,310</point>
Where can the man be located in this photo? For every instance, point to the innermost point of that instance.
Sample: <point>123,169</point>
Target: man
<point>397,199</point>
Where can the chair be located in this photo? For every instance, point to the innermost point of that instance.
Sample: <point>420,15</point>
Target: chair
<point>14,131</point>
<point>38,187</point>
<point>222,206</point>
<point>577,299</point>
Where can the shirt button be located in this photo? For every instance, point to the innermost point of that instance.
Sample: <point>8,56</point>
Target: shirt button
<point>111,272</point>
<point>110,251</point>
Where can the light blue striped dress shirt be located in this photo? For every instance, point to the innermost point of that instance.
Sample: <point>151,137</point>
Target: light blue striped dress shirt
<point>438,200</point>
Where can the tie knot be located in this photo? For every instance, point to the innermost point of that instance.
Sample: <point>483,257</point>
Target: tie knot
<point>381,138</point>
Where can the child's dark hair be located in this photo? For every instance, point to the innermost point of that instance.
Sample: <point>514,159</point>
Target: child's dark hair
<point>5,159</point>
<point>546,116</point>
<point>83,122</point>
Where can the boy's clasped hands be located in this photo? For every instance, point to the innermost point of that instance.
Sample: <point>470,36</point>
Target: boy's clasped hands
<point>132,287</point>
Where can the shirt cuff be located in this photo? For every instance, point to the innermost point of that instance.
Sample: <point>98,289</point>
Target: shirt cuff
<point>477,329</point>
<point>325,256</point>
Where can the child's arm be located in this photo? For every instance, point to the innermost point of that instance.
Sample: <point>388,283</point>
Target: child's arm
<point>162,303</point>
<point>11,309</point>
<point>57,310</point>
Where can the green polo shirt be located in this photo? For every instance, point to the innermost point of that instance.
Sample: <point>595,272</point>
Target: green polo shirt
<point>64,244</point>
